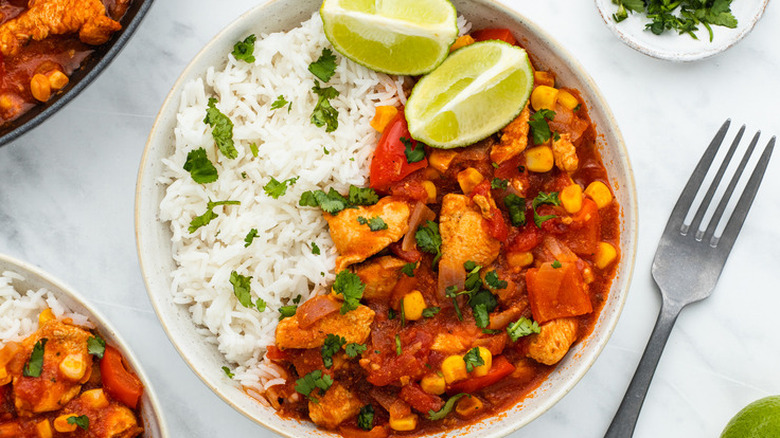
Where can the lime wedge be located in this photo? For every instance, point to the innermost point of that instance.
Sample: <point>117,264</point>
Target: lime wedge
<point>402,37</point>
<point>475,92</point>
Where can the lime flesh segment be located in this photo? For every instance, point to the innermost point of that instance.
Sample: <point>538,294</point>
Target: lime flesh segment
<point>475,92</point>
<point>406,37</point>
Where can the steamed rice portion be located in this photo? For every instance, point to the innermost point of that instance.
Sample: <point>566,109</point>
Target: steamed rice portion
<point>280,259</point>
<point>19,309</point>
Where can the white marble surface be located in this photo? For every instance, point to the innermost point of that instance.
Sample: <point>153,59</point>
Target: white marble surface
<point>67,198</point>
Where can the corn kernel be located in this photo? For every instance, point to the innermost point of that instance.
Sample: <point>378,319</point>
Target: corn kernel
<point>430,189</point>
<point>468,406</point>
<point>520,259</point>
<point>44,429</point>
<point>383,115</point>
<point>95,398</point>
<point>440,159</point>
<point>414,304</point>
<point>40,87</point>
<point>431,173</point>
<point>5,378</point>
<point>544,97</point>
<point>567,99</point>
<point>544,78</point>
<point>605,255</point>
<point>61,423</point>
<point>45,316</point>
<point>454,369</point>
<point>487,357</point>
<point>571,198</point>
<point>6,102</point>
<point>468,179</point>
<point>599,192</point>
<point>462,41</point>
<point>539,159</point>
<point>73,367</point>
<point>404,424</point>
<point>433,384</point>
<point>57,79</point>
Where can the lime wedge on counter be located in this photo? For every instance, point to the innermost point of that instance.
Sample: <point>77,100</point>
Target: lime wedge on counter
<point>402,37</point>
<point>760,419</point>
<point>475,92</point>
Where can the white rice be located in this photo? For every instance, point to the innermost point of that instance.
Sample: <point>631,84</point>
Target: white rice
<point>280,260</point>
<point>19,309</point>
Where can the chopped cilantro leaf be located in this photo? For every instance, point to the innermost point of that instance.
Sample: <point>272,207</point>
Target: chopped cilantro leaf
<point>408,269</point>
<point>332,345</point>
<point>96,346</point>
<point>34,365</point>
<point>254,149</point>
<point>374,224</point>
<point>209,215</point>
<point>332,202</point>
<point>244,50</point>
<point>362,196</point>
<point>499,184</point>
<point>516,207</point>
<point>351,288</point>
<point>446,409</point>
<point>495,165</point>
<point>200,167</point>
<point>473,359</point>
<point>287,311</point>
<point>260,305</point>
<point>544,198</point>
<point>324,114</point>
<point>485,297</point>
<point>491,278</point>
<point>325,66</point>
<point>81,421</point>
<point>275,188</point>
<point>315,249</point>
<point>250,237</point>
<point>429,240</point>
<point>556,264</point>
<point>325,150</point>
<point>540,130</point>
<point>430,312</point>
<point>403,313</point>
<point>539,220</point>
<point>366,417</point>
<point>222,131</point>
<point>481,316</point>
<point>280,102</point>
<point>241,288</point>
<point>297,299</point>
<point>577,108</point>
<point>521,327</point>
<point>390,314</point>
<point>315,380</point>
<point>413,151</point>
<point>228,373</point>
<point>397,344</point>
<point>490,331</point>
<point>354,349</point>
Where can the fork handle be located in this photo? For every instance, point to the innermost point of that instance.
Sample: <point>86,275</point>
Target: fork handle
<point>625,419</point>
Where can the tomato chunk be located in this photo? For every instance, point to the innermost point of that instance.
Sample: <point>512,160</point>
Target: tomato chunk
<point>389,164</point>
<point>557,292</point>
<point>585,230</point>
<point>420,400</point>
<point>496,225</point>
<point>117,380</point>
<point>494,34</point>
<point>500,369</point>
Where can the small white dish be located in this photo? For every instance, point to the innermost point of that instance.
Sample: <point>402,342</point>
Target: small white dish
<point>680,48</point>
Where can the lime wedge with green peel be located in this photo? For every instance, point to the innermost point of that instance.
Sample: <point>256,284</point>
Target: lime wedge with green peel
<point>475,92</point>
<point>402,37</point>
<point>760,419</point>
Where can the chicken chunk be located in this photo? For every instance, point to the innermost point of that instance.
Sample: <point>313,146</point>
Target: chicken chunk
<point>565,154</point>
<point>108,418</point>
<point>514,138</point>
<point>58,17</point>
<point>66,366</point>
<point>356,242</point>
<point>380,276</point>
<point>337,405</point>
<point>553,341</point>
<point>462,233</point>
<point>354,326</point>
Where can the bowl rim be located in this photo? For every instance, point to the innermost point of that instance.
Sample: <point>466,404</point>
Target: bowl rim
<point>101,323</point>
<point>670,55</point>
<point>105,59</point>
<point>630,211</point>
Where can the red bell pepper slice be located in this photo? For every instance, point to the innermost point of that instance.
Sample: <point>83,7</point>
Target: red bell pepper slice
<point>494,34</point>
<point>500,369</point>
<point>389,164</point>
<point>117,380</point>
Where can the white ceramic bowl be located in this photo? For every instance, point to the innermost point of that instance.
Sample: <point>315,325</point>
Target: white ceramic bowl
<point>674,47</point>
<point>154,236</point>
<point>35,279</point>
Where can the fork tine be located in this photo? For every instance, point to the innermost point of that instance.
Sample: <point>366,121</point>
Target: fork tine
<point>734,225</point>
<point>689,192</point>
<point>713,225</point>
<point>705,203</point>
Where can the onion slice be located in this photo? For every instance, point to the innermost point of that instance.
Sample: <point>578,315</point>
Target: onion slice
<point>420,214</point>
<point>316,308</point>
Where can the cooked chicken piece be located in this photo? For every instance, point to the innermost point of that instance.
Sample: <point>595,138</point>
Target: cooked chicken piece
<point>116,421</point>
<point>380,276</point>
<point>514,138</point>
<point>356,242</point>
<point>565,154</point>
<point>354,326</point>
<point>553,341</point>
<point>66,365</point>
<point>58,17</point>
<point>463,236</point>
<point>337,405</point>
<point>450,343</point>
